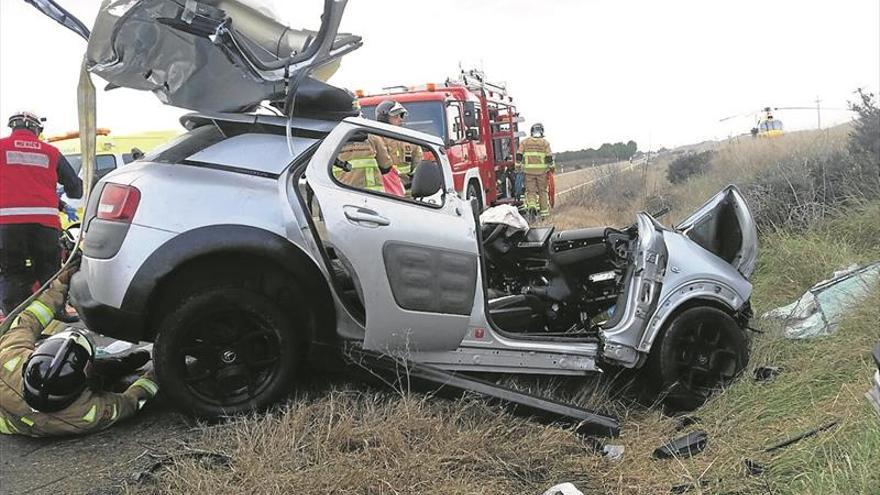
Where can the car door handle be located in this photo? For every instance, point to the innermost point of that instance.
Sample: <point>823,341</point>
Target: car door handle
<point>360,215</point>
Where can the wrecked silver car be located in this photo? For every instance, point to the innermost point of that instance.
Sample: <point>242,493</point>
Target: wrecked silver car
<point>244,247</point>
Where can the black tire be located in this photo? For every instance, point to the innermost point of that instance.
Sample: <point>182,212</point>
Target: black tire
<point>473,192</point>
<point>227,348</point>
<point>701,350</point>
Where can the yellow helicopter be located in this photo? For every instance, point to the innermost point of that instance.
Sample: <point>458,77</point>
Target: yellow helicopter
<point>768,126</point>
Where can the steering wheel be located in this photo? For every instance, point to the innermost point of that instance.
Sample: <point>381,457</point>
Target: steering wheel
<point>495,234</point>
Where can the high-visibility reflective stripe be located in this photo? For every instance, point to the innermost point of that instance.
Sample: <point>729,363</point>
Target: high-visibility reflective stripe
<point>115,413</point>
<point>534,154</point>
<point>147,385</point>
<point>28,158</point>
<point>27,421</point>
<point>41,311</point>
<point>8,212</point>
<point>3,428</point>
<point>89,417</point>
<point>372,174</point>
<point>141,403</point>
<point>11,364</point>
<point>403,168</point>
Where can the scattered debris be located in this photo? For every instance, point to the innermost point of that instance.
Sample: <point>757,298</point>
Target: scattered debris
<point>683,422</point>
<point>766,373</point>
<point>686,487</point>
<point>801,436</point>
<point>686,446</point>
<point>873,394</point>
<point>819,311</point>
<point>563,489</point>
<point>753,468</point>
<point>613,452</point>
<point>422,376</point>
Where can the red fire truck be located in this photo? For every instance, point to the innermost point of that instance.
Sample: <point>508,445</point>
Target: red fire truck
<point>478,121</point>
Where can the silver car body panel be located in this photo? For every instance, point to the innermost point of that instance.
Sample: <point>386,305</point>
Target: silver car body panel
<point>266,153</point>
<point>174,50</point>
<point>346,212</point>
<point>693,273</point>
<point>669,269</point>
<point>748,254</point>
<point>643,293</point>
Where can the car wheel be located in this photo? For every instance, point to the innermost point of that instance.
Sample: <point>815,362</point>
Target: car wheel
<point>702,350</point>
<point>226,350</point>
<point>473,192</point>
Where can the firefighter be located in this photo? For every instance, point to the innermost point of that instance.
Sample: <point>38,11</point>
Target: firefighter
<point>29,224</point>
<point>369,162</point>
<point>536,162</point>
<point>46,386</point>
<point>405,156</point>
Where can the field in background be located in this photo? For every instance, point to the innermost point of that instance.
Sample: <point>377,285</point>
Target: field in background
<point>342,439</point>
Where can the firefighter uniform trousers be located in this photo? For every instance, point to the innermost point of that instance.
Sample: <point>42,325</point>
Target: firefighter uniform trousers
<point>536,161</point>
<point>91,411</point>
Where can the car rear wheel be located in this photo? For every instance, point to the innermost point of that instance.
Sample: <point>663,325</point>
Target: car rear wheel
<point>702,350</point>
<point>226,350</point>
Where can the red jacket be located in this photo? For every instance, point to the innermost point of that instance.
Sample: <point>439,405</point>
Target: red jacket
<point>28,174</point>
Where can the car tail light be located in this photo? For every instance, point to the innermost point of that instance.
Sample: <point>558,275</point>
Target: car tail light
<point>118,202</point>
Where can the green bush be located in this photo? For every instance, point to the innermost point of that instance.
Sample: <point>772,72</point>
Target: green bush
<point>688,165</point>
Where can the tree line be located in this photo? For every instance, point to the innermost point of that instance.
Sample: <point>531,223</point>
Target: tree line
<point>606,153</point>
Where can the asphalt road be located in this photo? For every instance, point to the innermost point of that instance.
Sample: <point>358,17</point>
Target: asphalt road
<point>568,182</point>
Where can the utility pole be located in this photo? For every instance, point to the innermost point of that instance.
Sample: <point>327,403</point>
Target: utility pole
<point>818,113</point>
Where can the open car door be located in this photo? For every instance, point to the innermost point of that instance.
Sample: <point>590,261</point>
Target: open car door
<point>416,263</point>
<point>725,227</point>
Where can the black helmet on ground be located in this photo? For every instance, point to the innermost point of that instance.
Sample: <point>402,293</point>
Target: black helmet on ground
<point>55,374</point>
<point>388,109</point>
<point>537,130</point>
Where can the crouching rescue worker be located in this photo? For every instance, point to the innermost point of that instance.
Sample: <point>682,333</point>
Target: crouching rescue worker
<point>536,161</point>
<point>369,162</point>
<point>405,156</point>
<point>46,386</point>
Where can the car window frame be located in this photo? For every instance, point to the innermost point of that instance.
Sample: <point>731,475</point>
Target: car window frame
<point>435,150</point>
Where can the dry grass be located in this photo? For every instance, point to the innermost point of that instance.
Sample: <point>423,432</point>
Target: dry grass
<point>752,164</point>
<point>345,440</point>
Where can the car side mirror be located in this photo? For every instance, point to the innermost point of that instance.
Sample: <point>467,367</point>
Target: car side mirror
<point>472,134</point>
<point>427,180</point>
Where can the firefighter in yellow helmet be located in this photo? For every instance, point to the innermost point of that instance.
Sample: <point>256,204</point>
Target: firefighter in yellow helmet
<point>536,160</point>
<point>47,387</point>
<point>405,156</point>
<point>368,161</point>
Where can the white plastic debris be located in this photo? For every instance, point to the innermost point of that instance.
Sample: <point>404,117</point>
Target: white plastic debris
<point>563,489</point>
<point>820,310</point>
<point>613,452</point>
<point>506,215</point>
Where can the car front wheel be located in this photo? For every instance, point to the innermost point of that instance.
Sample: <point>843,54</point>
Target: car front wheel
<point>702,350</point>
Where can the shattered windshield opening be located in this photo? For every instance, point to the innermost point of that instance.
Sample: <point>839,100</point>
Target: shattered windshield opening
<point>422,116</point>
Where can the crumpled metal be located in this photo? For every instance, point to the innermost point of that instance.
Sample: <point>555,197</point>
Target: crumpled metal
<point>821,309</point>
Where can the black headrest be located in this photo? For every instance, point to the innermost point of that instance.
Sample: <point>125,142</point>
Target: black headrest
<point>319,100</point>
